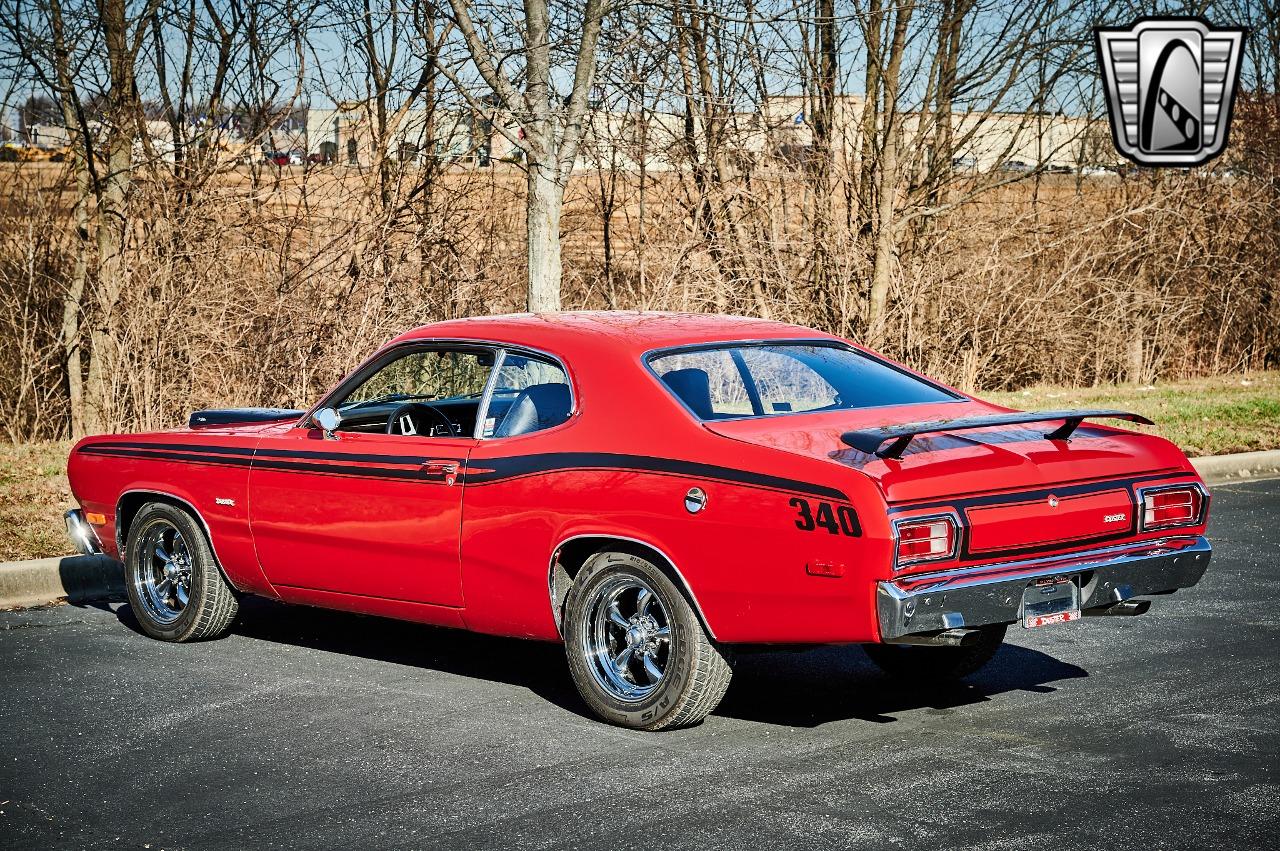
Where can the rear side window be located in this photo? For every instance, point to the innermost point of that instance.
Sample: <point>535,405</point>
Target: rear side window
<point>529,394</point>
<point>782,378</point>
<point>709,382</point>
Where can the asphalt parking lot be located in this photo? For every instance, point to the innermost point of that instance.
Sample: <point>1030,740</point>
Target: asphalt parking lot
<point>314,729</point>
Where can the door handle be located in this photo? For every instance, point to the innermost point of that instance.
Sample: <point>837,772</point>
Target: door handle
<point>447,470</point>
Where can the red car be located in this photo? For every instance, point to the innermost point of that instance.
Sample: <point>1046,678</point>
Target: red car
<point>655,491</point>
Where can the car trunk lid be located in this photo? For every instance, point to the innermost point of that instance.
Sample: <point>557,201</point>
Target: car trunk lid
<point>945,465</point>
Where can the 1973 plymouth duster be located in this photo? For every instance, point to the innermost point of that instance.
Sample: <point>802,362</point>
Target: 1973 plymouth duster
<point>652,490</point>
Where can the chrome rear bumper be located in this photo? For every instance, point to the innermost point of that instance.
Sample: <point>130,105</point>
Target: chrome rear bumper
<point>975,596</point>
<point>81,533</point>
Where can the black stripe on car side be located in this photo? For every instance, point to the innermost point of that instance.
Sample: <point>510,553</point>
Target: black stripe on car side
<point>494,471</point>
<point>488,471</point>
<point>348,471</point>
<point>275,453</point>
<point>1042,493</point>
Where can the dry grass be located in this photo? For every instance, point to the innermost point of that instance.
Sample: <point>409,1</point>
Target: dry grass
<point>262,289</point>
<point>33,495</point>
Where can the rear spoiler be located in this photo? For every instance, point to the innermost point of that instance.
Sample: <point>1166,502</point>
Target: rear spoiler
<point>871,440</point>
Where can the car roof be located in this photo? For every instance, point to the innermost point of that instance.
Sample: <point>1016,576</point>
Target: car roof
<point>623,331</point>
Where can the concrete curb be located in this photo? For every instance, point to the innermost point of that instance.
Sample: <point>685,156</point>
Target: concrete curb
<point>77,579</point>
<point>1220,469</point>
<point>84,578</point>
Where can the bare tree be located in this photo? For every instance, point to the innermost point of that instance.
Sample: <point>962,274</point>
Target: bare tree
<point>551,128</point>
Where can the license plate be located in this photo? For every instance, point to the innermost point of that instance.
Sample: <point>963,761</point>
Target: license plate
<point>1050,601</point>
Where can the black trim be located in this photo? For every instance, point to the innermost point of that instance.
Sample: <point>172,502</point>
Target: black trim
<point>237,416</point>
<point>500,469</point>
<point>278,453</point>
<point>872,440</point>
<point>361,472</point>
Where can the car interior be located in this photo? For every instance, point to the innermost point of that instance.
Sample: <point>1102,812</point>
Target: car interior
<point>768,379</point>
<point>693,387</point>
<point>439,393</point>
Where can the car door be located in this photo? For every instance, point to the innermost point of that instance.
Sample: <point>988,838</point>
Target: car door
<point>362,512</point>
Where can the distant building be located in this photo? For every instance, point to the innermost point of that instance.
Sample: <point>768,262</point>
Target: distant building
<point>346,136</point>
<point>781,132</point>
<point>981,141</point>
<point>45,136</point>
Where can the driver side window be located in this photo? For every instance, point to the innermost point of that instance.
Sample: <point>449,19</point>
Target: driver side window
<point>428,392</point>
<point>435,374</point>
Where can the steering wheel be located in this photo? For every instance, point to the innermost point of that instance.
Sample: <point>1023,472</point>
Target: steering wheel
<point>409,419</point>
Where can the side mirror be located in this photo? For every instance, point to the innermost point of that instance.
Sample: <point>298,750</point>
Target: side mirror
<point>328,419</point>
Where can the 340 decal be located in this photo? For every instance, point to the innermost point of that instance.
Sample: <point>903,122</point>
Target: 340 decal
<point>837,520</point>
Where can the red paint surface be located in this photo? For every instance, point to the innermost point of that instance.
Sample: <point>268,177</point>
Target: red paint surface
<point>479,554</point>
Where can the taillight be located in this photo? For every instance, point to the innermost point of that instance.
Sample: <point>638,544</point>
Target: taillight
<point>925,539</point>
<point>1175,506</point>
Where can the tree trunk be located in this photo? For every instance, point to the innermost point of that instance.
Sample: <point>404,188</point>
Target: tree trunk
<point>824,153</point>
<point>73,300</point>
<point>121,132</point>
<point>546,198</point>
<point>882,267</point>
<point>887,180</point>
<point>73,305</point>
<point>551,134</point>
<point>870,120</point>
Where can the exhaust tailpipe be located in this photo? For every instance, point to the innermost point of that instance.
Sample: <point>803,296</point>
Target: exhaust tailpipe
<point>945,638</point>
<point>1125,608</point>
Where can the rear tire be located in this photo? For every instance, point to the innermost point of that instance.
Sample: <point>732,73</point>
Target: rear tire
<point>936,664</point>
<point>172,578</point>
<point>636,649</point>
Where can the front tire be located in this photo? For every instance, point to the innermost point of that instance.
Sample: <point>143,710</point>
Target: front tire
<point>636,649</point>
<point>172,578</point>
<point>925,665</point>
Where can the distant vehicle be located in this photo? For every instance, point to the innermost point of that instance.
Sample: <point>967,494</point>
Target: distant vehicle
<point>1096,171</point>
<point>1060,169</point>
<point>283,158</point>
<point>656,491</point>
<point>1015,167</point>
<point>18,152</point>
<point>965,163</point>
<point>318,159</point>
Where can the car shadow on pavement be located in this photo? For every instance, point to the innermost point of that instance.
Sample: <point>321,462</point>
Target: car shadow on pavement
<point>825,684</point>
<point>793,689</point>
<point>536,665</point>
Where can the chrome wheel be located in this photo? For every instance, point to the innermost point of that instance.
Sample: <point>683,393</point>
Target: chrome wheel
<point>626,638</point>
<point>163,577</point>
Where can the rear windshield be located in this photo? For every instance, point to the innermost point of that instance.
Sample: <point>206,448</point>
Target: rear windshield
<point>755,380</point>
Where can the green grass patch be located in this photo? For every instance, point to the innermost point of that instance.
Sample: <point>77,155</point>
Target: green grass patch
<point>1205,416</point>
